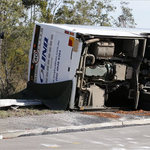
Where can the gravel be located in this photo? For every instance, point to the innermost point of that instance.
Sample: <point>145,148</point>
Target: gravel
<point>48,121</point>
<point>64,119</point>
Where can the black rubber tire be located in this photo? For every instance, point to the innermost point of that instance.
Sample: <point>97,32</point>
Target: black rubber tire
<point>144,101</point>
<point>145,96</point>
<point>144,105</point>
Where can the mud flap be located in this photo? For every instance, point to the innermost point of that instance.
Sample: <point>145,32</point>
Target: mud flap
<point>136,100</point>
<point>55,96</point>
<point>137,93</point>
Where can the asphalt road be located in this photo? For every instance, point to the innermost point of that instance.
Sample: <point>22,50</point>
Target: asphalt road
<point>127,138</point>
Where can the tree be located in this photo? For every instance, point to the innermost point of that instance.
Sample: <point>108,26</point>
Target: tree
<point>64,13</point>
<point>100,12</point>
<point>85,12</point>
<point>126,18</point>
<point>74,12</point>
<point>48,9</point>
<point>42,10</point>
<point>11,20</point>
<point>32,6</point>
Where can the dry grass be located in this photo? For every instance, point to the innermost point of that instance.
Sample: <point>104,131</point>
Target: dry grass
<point>21,112</point>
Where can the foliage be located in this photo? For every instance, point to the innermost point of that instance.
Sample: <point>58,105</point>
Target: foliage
<point>101,12</point>
<point>85,12</point>
<point>126,18</point>
<point>11,17</point>
<point>48,9</point>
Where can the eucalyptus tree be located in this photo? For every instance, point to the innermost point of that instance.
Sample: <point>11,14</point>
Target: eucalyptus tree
<point>32,6</point>
<point>126,18</point>
<point>12,18</point>
<point>87,12</point>
<point>101,12</point>
<point>42,10</point>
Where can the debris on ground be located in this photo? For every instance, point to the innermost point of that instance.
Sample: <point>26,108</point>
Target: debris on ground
<point>137,112</point>
<point>102,114</point>
<point>19,102</point>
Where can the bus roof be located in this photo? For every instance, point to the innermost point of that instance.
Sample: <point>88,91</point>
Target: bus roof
<point>103,31</point>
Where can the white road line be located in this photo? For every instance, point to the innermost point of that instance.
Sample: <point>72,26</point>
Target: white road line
<point>50,145</point>
<point>147,136</point>
<point>133,142</point>
<point>145,147</point>
<point>114,148</point>
<point>100,143</point>
<point>56,139</point>
<point>130,139</point>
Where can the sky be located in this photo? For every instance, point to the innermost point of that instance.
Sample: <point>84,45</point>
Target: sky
<point>141,11</point>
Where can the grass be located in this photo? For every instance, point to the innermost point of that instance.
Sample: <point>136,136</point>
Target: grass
<point>26,111</point>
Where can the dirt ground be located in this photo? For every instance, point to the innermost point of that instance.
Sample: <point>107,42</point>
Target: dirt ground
<point>137,112</point>
<point>116,113</point>
<point>102,114</point>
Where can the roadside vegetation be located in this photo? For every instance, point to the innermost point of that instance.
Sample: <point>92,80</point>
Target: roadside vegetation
<point>17,18</point>
<point>26,111</point>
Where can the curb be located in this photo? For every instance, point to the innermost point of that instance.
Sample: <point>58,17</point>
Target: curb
<point>136,122</point>
<point>21,133</point>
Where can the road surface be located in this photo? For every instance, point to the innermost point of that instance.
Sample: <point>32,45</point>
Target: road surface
<point>127,138</point>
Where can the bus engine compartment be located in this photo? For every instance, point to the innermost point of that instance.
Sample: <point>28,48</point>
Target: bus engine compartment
<point>113,72</point>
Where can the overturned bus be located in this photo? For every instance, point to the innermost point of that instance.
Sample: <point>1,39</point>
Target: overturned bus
<point>89,67</point>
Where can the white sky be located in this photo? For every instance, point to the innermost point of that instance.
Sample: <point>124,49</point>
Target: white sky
<point>141,11</point>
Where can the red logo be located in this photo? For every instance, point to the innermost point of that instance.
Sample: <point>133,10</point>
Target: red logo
<point>35,59</point>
